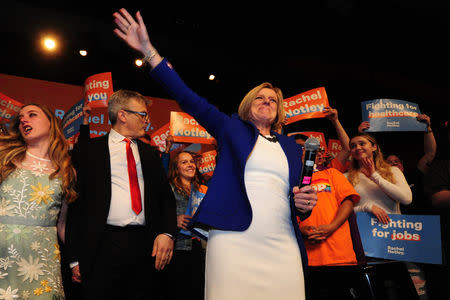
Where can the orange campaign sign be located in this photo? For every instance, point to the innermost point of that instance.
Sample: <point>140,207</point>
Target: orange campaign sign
<point>97,89</point>
<point>307,105</point>
<point>334,147</point>
<point>208,162</point>
<point>185,129</point>
<point>158,137</point>
<point>8,108</point>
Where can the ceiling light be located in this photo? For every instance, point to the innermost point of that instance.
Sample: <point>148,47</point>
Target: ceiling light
<point>49,44</point>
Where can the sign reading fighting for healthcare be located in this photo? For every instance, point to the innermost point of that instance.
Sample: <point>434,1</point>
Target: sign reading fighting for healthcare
<point>307,105</point>
<point>185,129</point>
<point>413,238</point>
<point>72,119</point>
<point>98,88</point>
<point>391,115</point>
<point>8,108</point>
<point>207,162</point>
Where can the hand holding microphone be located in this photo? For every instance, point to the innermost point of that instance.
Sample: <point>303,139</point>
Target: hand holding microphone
<point>305,197</point>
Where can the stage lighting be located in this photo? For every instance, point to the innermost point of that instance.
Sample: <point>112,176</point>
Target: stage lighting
<point>212,77</point>
<point>138,62</point>
<point>49,44</point>
<point>83,52</point>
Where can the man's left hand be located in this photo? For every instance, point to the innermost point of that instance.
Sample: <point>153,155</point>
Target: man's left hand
<point>163,250</point>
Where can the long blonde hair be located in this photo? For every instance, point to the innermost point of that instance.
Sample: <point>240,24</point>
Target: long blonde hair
<point>246,104</point>
<point>13,148</point>
<point>381,166</point>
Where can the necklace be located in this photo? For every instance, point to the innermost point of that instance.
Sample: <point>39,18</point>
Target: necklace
<point>38,158</point>
<point>272,138</point>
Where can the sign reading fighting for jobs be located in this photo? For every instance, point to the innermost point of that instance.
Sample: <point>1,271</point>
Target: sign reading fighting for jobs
<point>413,238</point>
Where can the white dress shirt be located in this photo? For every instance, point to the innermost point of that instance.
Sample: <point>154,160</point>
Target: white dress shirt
<point>120,212</point>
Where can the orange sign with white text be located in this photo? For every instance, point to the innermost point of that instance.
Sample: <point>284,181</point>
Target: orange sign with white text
<point>98,88</point>
<point>8,108</point>
<point>208,162</point>
<point>334,147</point>
<point>307,105</point>
<point>185,129</point>
<point>158,137</point>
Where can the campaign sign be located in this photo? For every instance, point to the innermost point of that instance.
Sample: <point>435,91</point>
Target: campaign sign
<point>185,129</point>
<point>195,199</point>
<point>98,88</point>
<point>158,137</point>
<point>307,105</point>
<point>8,108</point>
<point>413,238</point>
<point>207,162</point>
<point>72,119</point>
<point>391,115</point>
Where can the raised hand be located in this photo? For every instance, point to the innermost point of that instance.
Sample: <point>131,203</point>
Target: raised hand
<point>331,113</point>
<point>363,126</point>
<point>131,32</point>
<point>367,166</point>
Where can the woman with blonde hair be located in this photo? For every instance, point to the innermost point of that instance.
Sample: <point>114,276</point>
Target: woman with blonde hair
<point>255,249</point>
<point>382,187</point>
<point>36,183</point>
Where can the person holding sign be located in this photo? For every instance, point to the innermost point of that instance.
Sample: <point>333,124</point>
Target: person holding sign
<point>255,249</point>
<point>187,266</point>
<point>37,180</point>
<point>382,187</point>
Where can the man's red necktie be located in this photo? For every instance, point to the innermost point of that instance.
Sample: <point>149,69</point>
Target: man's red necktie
<point>134,183</point>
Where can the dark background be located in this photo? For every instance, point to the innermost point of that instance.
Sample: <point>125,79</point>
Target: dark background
<point>357,50</point>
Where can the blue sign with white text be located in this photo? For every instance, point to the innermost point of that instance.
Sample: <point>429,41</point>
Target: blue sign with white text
<point>72,119</point>
<point>412,238</point>
<point>391,115</point>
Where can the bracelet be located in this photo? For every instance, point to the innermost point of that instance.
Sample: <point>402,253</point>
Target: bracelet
<point>150,56</point>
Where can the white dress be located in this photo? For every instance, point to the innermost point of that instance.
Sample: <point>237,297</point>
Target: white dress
<point>262,262</point>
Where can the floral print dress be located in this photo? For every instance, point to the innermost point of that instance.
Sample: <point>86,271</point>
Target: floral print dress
<point>29,251</point>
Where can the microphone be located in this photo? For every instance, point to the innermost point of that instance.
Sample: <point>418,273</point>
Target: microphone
<point>311,146</point>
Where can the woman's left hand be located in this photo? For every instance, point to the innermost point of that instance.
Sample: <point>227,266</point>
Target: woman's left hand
<point>305,198</point>
<point>367,166</point>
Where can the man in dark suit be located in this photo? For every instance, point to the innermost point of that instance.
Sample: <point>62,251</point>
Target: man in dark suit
<point>124,220</point>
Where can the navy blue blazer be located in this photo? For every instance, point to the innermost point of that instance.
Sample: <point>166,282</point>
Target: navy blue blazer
<point>226,205</point>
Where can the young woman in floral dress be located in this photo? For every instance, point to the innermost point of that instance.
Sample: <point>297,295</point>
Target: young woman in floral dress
<point>36,182</point>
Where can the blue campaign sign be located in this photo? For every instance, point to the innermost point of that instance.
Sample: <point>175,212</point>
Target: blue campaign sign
<point>72,119</point>
<point>391,115</point>
<point>412,238</point>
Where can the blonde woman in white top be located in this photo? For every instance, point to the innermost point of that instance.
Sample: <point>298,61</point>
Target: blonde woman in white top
<point>382,187</point>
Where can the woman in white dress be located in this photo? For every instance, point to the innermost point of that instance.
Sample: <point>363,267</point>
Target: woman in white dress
<point>255,249</point>
<point>382,187</point>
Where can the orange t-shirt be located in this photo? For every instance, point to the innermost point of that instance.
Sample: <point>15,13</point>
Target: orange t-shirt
<point>332,188</point>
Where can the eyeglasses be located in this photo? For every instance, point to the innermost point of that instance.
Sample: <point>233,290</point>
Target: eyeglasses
<point>142,114</point>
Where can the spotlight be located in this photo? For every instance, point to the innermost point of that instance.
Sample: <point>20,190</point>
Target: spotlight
<point>138,62</point>
<point>49,43</point>
<point>212,77</point>
<point>83,52</point>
